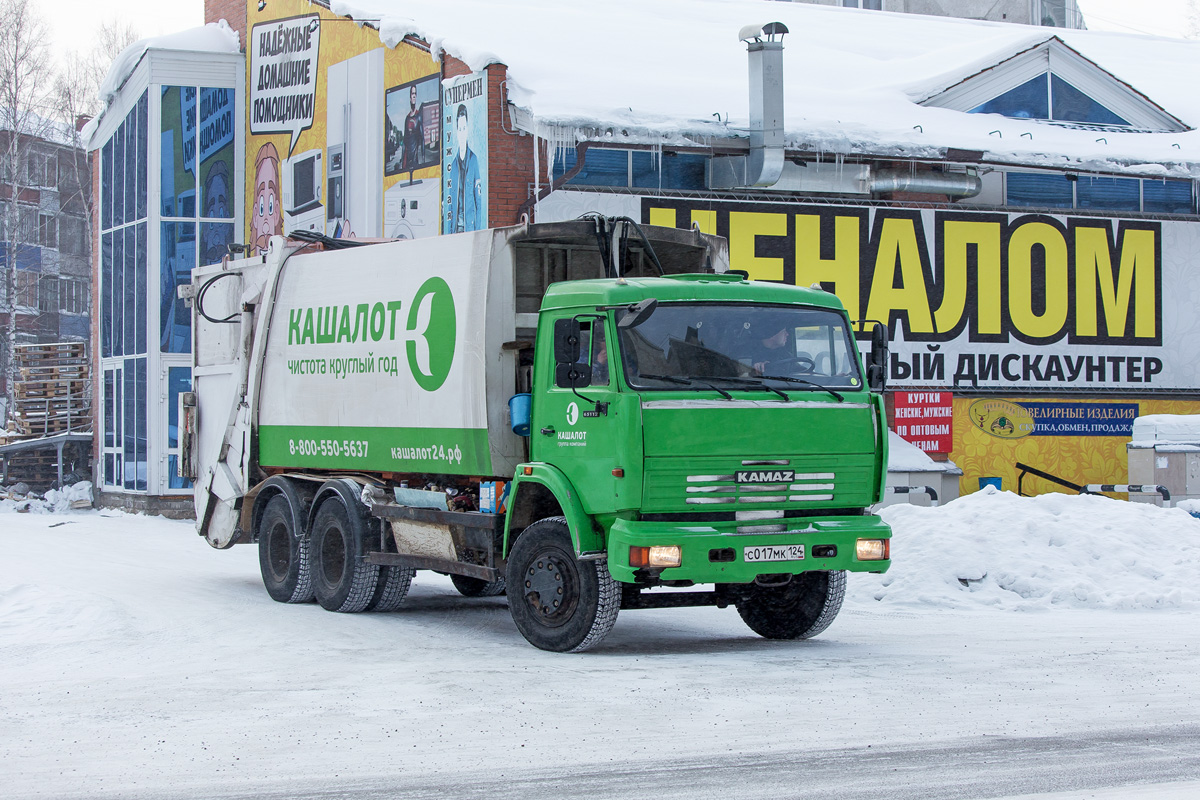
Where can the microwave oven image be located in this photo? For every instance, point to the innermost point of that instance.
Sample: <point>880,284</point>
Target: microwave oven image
<point>302,184</point>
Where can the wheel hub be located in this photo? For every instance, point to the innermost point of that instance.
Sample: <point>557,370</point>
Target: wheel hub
<point>545,586</point>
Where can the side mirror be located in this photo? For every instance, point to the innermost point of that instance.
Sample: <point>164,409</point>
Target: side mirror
<point>573,375</point>
<point>638,313</point>
<point>566,341</point>
<point>877,367</point>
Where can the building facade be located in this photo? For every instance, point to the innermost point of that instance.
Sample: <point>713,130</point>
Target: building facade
<point>44,241</point>
<point>1017,204</point>
<point>169,169</point>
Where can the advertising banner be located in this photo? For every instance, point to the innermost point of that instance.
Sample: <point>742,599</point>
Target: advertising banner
<point>985,300</point>
<point>346,352</point>
<point>464,153</point>
<point>925,419</point>
<point>1079,442</point>
<point>342,133</point>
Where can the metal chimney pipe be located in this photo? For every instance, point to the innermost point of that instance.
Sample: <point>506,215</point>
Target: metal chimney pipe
<point>765,51</point>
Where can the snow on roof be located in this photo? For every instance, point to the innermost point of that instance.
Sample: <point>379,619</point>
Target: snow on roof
<point>35,125</point>
<point>1176,428</point>
<point>215,37</point>
<point>662,69</point>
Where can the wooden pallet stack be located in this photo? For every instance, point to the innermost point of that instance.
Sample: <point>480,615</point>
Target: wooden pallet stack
<point>52,394</point>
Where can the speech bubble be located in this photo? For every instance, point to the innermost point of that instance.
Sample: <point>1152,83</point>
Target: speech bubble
<point>283,85</point>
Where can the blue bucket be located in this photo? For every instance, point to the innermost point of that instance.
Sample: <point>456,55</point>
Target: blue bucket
<point>519,406</point>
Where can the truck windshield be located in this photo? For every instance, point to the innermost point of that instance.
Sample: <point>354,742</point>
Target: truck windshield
<point>735,346</point>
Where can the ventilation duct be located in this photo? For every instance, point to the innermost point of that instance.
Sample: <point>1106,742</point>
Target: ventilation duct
<point>951,184</point>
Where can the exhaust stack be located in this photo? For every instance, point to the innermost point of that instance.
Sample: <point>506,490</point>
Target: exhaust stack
<point>764,45</point>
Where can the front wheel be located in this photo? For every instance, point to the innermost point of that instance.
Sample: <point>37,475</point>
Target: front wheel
<point>559,603</point>
<point>800,609</point>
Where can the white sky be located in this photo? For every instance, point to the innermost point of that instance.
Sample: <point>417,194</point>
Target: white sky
<point>73,21</point>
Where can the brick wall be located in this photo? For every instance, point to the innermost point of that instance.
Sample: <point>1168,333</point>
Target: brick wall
<point>232,11</point>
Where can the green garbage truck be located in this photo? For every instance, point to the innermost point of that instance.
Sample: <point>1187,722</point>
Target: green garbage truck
<point>587,416</point>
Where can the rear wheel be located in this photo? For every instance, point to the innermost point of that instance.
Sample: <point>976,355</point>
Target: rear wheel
<point>558,602</point>
<point>283,554</point>
<point>391,588</point>
<point>476,587</point>
<point>342,579</point>
<point>800,609</point>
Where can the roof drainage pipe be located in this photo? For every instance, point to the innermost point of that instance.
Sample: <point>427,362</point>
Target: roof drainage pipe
<point>951,184</point>
<point>764,46</point>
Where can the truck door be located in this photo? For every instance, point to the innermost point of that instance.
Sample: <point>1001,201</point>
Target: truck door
<point>589,431</point>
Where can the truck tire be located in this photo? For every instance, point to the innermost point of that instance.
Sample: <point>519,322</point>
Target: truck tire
<point>800,609</point>
<point>391,588</point>
<point>559,603</point>
<point>342,580</point>
<point>283,555</point>
<point>476,587</point>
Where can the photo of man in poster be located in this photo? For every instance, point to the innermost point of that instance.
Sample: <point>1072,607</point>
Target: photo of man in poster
<point>411,126</point>
<point>464,183</point>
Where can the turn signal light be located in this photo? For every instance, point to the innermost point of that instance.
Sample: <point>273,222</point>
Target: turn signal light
<point>657,556</point>
<point>618,473</point>
<point>873,549</point>
<point>528,470</point>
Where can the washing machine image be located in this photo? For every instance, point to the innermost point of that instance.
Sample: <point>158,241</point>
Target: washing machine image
<point>410,210</point>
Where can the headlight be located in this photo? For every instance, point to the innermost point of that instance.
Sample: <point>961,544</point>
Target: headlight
<point>657,556</point>
<point>873,549</point>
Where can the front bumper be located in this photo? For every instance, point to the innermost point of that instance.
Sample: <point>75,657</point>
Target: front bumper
<point>705,544</point>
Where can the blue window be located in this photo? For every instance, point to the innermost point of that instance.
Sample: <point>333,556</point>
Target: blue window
<point>179,379</point>
<point>1072,105</point>
<point>1033,100</point>
<point>600,168</point>
<point>178,154</point>
<point>1030,100</point>
<point>178,258</point>
<point>678,171</point>
<point>216,153</point>
<point>106,180</point>
<point>143,156</point>
<point>1168,197</point>
<point>1113,194</point>
<point>1040,190</point>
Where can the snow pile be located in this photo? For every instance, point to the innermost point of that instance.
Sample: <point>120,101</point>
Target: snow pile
<point>1000,550</point>
<point>56,501</point>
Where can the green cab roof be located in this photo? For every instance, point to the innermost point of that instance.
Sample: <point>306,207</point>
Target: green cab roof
<point>681,288</point>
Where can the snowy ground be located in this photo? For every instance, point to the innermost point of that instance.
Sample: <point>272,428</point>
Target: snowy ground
<point>136,662</point>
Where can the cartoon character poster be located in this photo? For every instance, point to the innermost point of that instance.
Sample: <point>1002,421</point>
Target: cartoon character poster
<point>464,153</point>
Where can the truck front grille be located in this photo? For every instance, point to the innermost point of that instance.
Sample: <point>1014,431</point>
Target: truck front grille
<point>713,490</point>
<point>709,485</point>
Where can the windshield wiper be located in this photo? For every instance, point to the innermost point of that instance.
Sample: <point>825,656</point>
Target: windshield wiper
<point>752,382</point>
<point>687,382</point>
<point>816,386</point>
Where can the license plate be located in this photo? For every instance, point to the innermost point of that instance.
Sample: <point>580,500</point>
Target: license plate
<point>773,552</point>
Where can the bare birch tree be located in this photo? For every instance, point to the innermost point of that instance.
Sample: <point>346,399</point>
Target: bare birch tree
<point>26,114</point>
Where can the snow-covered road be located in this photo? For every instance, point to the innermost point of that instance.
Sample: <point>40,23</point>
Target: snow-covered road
<point>137,662</point>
